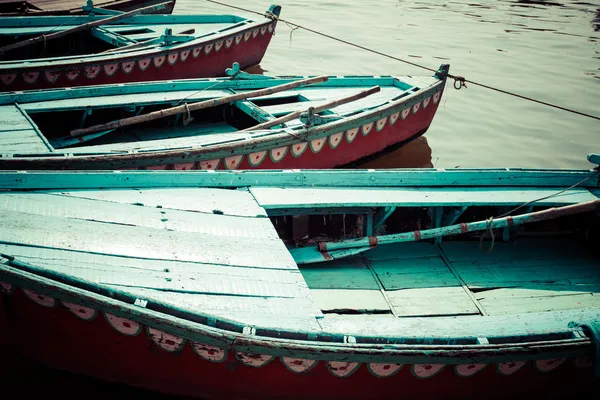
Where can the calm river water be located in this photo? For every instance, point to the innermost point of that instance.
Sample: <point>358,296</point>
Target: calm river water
<point>542,49</point>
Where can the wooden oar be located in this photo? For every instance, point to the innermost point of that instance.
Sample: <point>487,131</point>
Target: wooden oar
<point>197,106</point>
<point>320,252</point>
<point>50,36</point>
<point>318,109</point>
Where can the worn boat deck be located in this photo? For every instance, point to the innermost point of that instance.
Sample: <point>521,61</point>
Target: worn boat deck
<point>208,250</point>
<point>215,251</point>
<point>458,278</point>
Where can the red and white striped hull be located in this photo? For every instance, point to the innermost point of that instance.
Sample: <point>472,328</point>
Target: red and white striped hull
<point>92,342</point>
<point>209,59</point>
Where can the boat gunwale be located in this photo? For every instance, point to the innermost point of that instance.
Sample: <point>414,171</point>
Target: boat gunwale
<point>372,178</point>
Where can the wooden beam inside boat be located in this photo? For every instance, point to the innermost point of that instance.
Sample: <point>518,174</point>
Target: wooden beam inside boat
<point>317,109</point>
<point>186,108</point>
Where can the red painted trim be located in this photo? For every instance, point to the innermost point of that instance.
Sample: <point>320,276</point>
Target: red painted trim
<point>373,241</point>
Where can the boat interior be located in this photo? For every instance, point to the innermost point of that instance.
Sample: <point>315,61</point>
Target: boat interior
<point>129,34</point>
<point>250,255</point>
<point>46,119</point>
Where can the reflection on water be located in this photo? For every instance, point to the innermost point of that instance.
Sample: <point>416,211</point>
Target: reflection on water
<point>416,154</point>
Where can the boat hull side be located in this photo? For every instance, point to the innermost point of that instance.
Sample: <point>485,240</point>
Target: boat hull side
<point>52,333</point>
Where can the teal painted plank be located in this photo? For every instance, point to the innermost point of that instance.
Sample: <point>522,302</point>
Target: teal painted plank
<point>432,301</point>
<point>413,273</point>
<point>296,178</point>
<point>512,301</point>
<point>350,301</point>
<point>206,137</point>
<point>206,278</point>
<point>520,249</point>
<point>347,273</point>
<point>135,215</point>
<point>203,200</point>
<point>122,100</point>
<point>21,141</point>
<point>234,306</point>
<point>11,119</point>
<point>140,242</point>
<point>273,198</point>
<point>469,326</point>
<point>402,251</point>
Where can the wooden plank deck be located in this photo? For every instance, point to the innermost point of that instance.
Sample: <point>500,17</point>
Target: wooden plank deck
<point>233,266</point>
<point>529,275</point>
<point>205,200</point>
<point>17,135</point>
<point>276,198</point>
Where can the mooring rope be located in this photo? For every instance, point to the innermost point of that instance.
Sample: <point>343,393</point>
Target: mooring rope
<point>459,81</point>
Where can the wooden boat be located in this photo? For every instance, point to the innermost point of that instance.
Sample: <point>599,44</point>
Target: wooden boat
<point>246,122</point>
<point>296,284</point>
<point>71,7</point>
<point>66,51</point>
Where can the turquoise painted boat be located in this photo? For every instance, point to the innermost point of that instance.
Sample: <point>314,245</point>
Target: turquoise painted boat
<point>107,46</point>
<point>71,7</point>
<point>243,121</point>
<point>296,284</point>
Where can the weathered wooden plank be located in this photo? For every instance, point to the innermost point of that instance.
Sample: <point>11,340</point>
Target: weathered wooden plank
<point>503,303</point>
<point>414,273</point>
<point>140,242</point>
<point>134,215</point>
<point>167,143</point>
<point>204,200</point>
<point>123,100</point>
<point>520,248</point>
<point>402,250</point>
<point>11,119</point>
<point>294,178</point>
<point>350,301</point>
<point>346,273</point>
<point>21,141</point>
<point>513,274</point>
<point>467,326</point>
<point>227,306</point>
<point>412,197</point>
<point>431,301</point>
<point>207,278</point>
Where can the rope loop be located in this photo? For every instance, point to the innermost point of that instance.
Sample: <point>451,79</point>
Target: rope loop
<point>188,118</point>
<point>459,82</point>
<point>489,231</point>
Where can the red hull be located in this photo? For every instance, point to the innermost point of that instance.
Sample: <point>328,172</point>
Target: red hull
<point>207,60</point>
<point>59,339</point>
